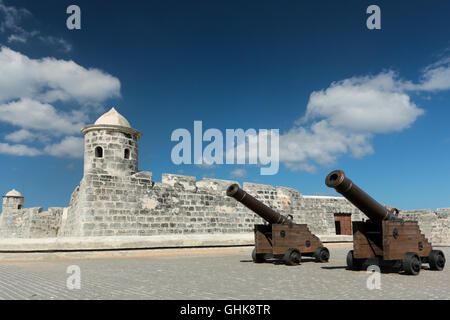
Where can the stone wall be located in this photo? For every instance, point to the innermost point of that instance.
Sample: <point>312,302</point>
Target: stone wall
<point>45,224</point>
<point>135,205</point>
<point>30,223</point>
<point>71,218</point>
<point>105,205</point>
<point>15,223</point>
<point>440,231</point>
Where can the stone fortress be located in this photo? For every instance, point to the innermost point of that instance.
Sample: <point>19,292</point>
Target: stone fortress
<point>115,199</point>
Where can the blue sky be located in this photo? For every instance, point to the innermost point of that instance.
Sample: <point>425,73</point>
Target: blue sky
<point>371,102</point>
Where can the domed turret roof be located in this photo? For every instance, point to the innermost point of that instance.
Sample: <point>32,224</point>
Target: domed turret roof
<point>13,193</point>
<point>112,117</point>
<point>112,121</point>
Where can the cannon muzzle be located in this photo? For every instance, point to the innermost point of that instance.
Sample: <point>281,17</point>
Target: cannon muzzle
<point>256,206</point>
<point>371,208</point>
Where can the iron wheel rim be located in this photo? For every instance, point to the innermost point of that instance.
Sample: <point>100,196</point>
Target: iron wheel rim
<point>415,265</point>
<point>295,257</point>
<point>440,261</point>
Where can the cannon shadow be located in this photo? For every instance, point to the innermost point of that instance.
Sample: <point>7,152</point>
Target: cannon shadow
<point>275,261</point>
<point>383,269</point>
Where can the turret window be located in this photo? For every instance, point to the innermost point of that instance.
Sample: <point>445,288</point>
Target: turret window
<point>126,154</point>
<point>99,152</point>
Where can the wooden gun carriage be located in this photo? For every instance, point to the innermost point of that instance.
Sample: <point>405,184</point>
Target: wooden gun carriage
<point>384,237</point>
<point>280,238</point>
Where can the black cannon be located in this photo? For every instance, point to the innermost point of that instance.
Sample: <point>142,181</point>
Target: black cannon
<point>384,237</point>
<point>280,238</point>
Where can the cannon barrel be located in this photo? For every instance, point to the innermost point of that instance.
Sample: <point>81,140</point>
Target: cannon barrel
<point>256,206</point>
<point>371,208</point>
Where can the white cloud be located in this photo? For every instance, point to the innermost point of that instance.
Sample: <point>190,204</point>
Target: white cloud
<point>31,114</point>
<point>20,135</point>
<point>11,20</point>
<point>17,38</point>
<point>11,17</point>
<point>322,144</point>
<point>436,77</point>
<point>18,150</point>
<point>344,118</point>
<point>364,104</point>
<point>238,173</point>
<point>59,42</point>
<point>50,80</point>
<point>71,147</point>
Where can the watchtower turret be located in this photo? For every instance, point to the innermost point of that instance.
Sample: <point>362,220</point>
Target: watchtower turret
<point>111,144</point>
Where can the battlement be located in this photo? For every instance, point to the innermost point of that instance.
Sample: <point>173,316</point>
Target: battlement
<point>175,180</point>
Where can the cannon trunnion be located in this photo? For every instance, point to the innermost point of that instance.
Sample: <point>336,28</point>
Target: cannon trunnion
<point>280,238</point>
<point>384,238</point>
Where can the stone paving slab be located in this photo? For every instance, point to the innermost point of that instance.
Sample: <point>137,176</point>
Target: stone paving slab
<point>213,273</point>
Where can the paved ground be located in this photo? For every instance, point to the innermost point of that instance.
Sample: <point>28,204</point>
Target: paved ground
<point>220,273</point>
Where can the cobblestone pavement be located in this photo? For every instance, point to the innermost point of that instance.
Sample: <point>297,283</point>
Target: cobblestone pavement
<point>222,273</point>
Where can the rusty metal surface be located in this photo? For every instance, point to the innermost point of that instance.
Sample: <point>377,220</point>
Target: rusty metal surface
<point>370,207</point>
<point>257,206</point>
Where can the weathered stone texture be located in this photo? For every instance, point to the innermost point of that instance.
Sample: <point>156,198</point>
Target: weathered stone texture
<point>30,223</point>
<point>440,231</point>
<point>135,205</point>
<point>45,224</point>
<point>113,144</point>
<point>12,203</point>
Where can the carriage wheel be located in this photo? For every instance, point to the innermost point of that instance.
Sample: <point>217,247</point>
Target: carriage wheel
<point>292,257</point>
<point>436,259</point>
<point>411,263</point>
<point>322,254</point>
<point>352,262</point>
<point>257,257</point>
